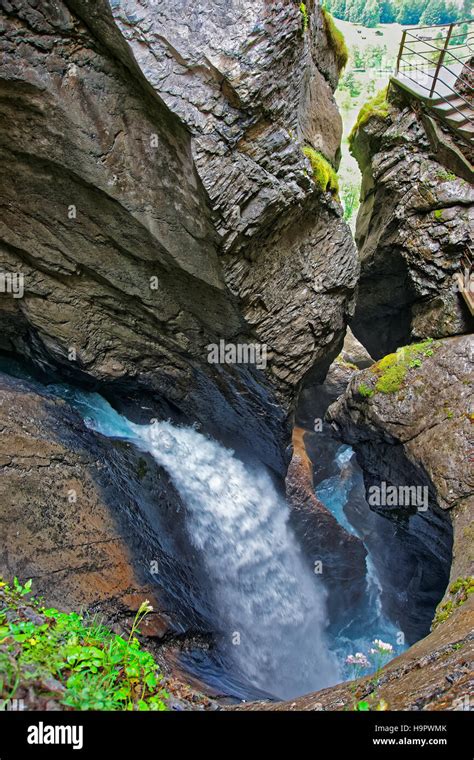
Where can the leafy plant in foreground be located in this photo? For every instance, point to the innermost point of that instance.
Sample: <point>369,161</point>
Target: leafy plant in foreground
<point>82,662</point>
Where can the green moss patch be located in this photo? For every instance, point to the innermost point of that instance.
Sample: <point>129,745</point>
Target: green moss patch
<point>347,365</point>
<point>446,176</point>
<point>365,391</point>
<point>390,372</point>
<point>376,107</point>
<point>323,173</point>
<point>460,591</point>
<point>392,369</point>
<point>336,40</point>
<point>305,18</point>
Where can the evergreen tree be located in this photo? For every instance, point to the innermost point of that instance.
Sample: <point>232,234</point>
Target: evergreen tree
<point>466,11</point>
<point>439,12</point>
<point>338,8</point>
<point>354,10</point>
<point>410,11</point>
<point>387,12</point>
<point>433,13</point>
<point>371,13</point>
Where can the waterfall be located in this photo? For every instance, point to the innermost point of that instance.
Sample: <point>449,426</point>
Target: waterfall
<point>269,608</point>
<point>368,620</point>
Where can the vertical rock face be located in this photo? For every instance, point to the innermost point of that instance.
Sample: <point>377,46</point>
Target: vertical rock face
<point>157,200</point>
<point>420,435</point>
<point>414,225</point>
<point>341,554</point>
<point>253,85</point>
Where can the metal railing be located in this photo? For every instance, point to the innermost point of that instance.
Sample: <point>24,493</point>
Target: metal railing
<point>435,60</point>
<point>465,278</point>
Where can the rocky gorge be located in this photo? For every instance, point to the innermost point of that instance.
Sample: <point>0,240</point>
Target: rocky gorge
<point>160,197</point>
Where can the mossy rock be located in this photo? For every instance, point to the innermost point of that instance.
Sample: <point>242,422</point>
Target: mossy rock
<point>375,107</point>
<point>459,590</point>
<point>305,17</point>
<point>391,371</point>
<point>336,40</point>
<point>323,173</point>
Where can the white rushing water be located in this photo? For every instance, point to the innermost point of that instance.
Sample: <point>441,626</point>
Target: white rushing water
<point>269,608</point>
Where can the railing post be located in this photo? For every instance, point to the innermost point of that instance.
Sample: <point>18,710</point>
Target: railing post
<point>400,52</point>
<point>441,58</point>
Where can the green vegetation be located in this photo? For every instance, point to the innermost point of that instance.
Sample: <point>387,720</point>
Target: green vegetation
<point>84,664</point>
<point>460,590</point>
<point>348,83</point>
<point>392,378</point>
<point>438,213</point>
<point>336,40</point>
<point>304,13</point>
<point>409,12</point>
<point>323,173</point>
<point>378,654</point>
<point>365,391</point>
<point>375,107</point>
<point>370,57</point>
<point>347,365</point>
<point>392,369</point>
<point>446,176</point>
<point>350,199</point>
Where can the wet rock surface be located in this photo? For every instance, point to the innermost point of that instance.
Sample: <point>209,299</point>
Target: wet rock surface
<point>89,520</point>
<point>341,555</point>
<point>421,435</point>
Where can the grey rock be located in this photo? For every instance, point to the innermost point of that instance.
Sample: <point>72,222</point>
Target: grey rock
<point>164,141</point>
<point>414,225</point>
<point>421,435</point>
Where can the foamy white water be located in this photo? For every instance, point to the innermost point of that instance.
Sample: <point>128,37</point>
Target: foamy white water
<point>270,607</point>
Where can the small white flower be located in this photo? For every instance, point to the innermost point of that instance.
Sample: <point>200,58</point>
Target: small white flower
<point>358,659</point>
<point>383,646</point>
